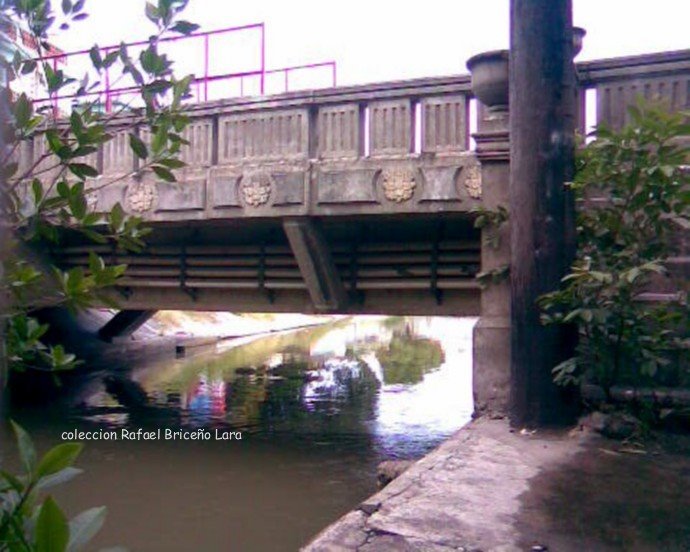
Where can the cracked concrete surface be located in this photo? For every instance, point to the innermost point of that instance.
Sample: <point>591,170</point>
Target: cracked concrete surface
<point>492,490</point>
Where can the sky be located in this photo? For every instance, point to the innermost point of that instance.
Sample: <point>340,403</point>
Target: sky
<point>381,40</point>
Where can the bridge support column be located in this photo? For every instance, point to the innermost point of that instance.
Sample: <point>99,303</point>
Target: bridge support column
<point>316,264</point>
<point>492,333</point>
<point>125,322</point>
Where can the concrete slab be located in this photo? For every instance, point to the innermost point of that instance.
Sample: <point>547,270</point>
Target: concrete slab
<point>491,489</point>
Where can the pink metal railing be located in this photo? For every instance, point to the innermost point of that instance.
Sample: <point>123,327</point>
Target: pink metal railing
<point>200,84</point>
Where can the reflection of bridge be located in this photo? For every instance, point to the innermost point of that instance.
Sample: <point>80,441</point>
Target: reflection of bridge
<point>356,199</point>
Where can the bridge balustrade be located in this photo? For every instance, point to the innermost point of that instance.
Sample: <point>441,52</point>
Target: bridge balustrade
<point>387,170</point>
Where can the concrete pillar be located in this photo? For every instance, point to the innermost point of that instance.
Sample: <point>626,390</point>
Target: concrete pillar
<point>492,336</point>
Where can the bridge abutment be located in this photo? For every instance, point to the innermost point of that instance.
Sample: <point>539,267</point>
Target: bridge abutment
<point>492,333</point>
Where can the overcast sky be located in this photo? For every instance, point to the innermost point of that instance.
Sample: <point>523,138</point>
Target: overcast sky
<point>382,40</point>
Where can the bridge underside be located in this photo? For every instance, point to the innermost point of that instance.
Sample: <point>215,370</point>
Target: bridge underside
<point>394,265</point>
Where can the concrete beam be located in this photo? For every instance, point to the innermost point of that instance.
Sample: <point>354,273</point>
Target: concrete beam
<point>392,302</point>
<point>316,264</point>
<point>124,323</point>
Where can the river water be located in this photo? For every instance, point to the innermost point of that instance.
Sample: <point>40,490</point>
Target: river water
<point>317,409</point>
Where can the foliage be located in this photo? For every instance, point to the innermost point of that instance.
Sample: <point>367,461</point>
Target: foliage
<point>48,195</point>
<point>30,521</point>
<point>493,276</point>
<point>632,190</point>
<point>491,222</point>
<point>406,359</point>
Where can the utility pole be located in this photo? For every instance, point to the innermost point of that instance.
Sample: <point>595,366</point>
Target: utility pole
<point>4,247</point>
<point>542,124</point>
<point>5,238</point>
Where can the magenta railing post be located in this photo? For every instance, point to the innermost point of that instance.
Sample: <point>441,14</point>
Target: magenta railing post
<point>263,59</point>
<point>206,41</point>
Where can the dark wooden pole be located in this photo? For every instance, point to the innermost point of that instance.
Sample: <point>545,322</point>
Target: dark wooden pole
<point>4,252</point>
<point>542,109</point>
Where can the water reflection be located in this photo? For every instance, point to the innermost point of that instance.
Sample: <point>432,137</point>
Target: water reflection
<point>318,408</point>
<point>403,382</point>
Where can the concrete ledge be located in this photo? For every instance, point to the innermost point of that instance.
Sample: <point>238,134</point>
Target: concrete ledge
<point>492,490</point>
<point>462,496</point>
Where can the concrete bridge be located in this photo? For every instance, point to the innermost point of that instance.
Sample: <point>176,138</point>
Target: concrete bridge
<point>337,200</point>
<point>354,200</point>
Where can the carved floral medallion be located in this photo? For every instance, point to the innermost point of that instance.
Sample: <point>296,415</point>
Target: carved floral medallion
<point>398,184</point>
<point>256,189</point>
<point>473,181</point>
<point>141,196</point>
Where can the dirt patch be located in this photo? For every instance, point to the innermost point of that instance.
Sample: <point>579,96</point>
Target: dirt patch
<point>604,498</point>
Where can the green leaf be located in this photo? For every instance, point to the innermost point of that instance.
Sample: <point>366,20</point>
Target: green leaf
<point>164,173</point>
<point>172,163</point>
<point>184,27</point>
<point>58,478</point>
<point>96,263</point>
<point>63,189</point>
<point>84,527</point>
<point>138,146</point>
<point>13,481</point>
<point>149,59</point>
<point>152,13</point>
<point>82,170</point>
<point>29,66</point>
<point>76,123</point>
<point>159,140</point>
<point>94,236</point>
<point>27,452</point>
<point>110,58</point>
<point>37,188</point>
<point>52,531</point>
<point>58,458</point>
<point>117,217</point>
<point>23,111</point>
<point>77,205</point>
<point>95,55</point>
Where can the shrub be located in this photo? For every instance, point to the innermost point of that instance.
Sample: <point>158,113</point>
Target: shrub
<point>30,521</point>
<point>48,197</point>
<point>632,190</point>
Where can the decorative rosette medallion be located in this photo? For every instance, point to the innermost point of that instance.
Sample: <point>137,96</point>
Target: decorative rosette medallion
<point>256,189</point>
<point>141,196</point>
<point>473,181</point>
<point>398,184</point>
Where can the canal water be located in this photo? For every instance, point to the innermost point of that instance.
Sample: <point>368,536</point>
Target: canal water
<point>317,409</point>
